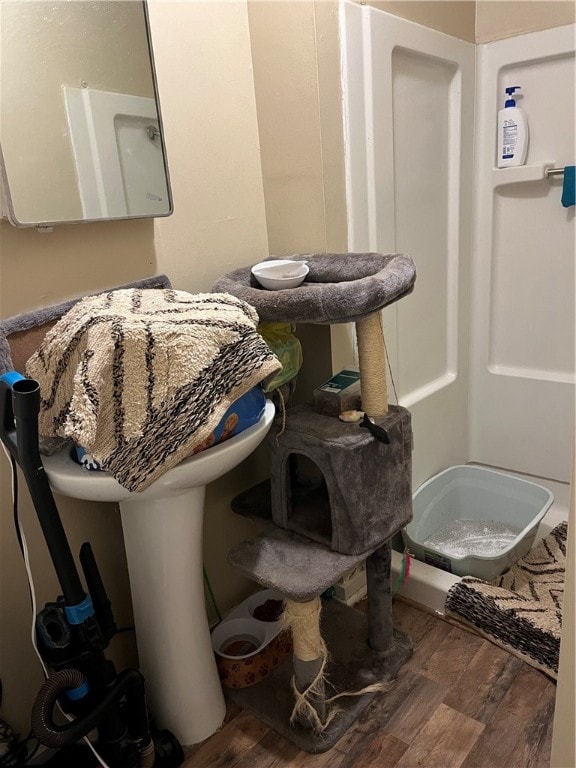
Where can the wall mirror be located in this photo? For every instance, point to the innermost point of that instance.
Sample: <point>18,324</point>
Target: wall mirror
<point>80,128</point>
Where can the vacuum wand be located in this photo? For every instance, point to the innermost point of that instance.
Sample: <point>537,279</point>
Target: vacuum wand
<point>20,406</point>
<point>73,636</point>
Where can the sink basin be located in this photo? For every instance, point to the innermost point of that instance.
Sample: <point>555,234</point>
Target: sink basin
<point>69,478</point>
<point>163,539</point>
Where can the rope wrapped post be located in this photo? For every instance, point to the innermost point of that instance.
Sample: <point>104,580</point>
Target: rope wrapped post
<point>380,624</point>
<point>372,357</point>
<point>309,658</point>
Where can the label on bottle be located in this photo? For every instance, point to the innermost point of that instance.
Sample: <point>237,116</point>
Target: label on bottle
<point>509,138</point>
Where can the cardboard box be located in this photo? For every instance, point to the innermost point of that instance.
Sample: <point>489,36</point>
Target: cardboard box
<point>338,394</point>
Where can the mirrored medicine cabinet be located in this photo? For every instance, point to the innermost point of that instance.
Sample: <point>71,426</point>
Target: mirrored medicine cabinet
<point>80,128</point>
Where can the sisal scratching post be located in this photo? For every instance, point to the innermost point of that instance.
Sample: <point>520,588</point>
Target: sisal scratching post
<point>372,357</point>
<point>312,710</point>
<point>309,659</point>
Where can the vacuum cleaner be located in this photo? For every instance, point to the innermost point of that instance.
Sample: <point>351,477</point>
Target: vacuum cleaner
<point>73,631</point>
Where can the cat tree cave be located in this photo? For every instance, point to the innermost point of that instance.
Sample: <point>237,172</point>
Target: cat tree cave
<point>320,524</point>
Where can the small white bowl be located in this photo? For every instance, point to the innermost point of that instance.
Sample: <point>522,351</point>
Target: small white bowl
<point>280,274</point>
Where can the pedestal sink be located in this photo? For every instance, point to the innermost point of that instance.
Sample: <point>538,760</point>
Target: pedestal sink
<point>163,539</point>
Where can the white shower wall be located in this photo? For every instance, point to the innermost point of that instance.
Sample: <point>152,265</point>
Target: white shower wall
<point>488,379</point>
<point>523,280</point>
<point>409,98</point>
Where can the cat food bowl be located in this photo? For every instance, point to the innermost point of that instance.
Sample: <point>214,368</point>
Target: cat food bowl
<point>238,638</point>
<point>280,274</point>
<point>248,648</point>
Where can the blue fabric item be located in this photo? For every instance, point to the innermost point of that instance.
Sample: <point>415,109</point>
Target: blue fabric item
<point>243,413</point>
<point>569,188</point>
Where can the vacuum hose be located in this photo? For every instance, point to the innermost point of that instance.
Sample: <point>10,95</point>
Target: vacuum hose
<point>129,682</point>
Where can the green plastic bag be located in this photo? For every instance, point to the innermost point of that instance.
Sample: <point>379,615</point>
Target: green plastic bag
<point>287,348</point>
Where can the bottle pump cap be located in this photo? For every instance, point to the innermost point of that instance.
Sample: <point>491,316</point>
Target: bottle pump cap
<point>510,91</point>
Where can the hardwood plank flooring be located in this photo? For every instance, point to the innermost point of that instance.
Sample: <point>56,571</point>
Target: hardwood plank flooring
<point>445,739</point>
<point>484,682</point>
<point>459,702</point>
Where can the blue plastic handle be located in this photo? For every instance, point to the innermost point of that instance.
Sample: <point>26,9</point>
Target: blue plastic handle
<point>11,378</point>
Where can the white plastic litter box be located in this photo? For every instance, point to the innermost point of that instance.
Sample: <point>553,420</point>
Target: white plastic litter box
<point>473,521</point>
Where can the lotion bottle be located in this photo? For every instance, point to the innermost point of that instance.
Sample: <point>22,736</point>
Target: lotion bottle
<point>512,132</point>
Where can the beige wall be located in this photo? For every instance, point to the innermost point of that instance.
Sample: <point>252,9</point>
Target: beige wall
<point>505,18</point>
<point>45,47</point>
<point>454,17</point>
<point>203,59</point>
<point>483,20</point>
<point>295,52</point>
<point>206,88</point>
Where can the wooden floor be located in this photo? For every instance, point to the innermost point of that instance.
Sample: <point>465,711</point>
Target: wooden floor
<point>459,702</point>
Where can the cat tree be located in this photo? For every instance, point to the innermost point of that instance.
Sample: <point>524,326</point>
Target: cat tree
<point>316,534</point>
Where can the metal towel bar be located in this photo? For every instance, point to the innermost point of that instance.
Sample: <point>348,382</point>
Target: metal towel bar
<point>554,172</point>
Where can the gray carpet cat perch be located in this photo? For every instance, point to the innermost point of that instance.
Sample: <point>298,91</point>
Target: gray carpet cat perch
<point>318,532</point>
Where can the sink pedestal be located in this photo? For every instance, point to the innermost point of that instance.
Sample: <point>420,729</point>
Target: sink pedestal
<point>163,541</point>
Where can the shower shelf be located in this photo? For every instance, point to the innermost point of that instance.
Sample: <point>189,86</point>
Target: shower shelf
<point>519,174</point>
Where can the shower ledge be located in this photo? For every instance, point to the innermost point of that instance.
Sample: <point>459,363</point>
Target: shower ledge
<point>520,173</point>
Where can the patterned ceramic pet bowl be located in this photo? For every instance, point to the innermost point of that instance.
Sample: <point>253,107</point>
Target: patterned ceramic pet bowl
<point>250,642</point>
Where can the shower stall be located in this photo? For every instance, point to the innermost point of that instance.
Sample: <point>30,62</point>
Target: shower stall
<point>482,353</point>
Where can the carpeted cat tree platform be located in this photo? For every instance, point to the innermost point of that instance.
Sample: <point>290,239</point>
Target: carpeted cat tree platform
<point>319,526</point>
